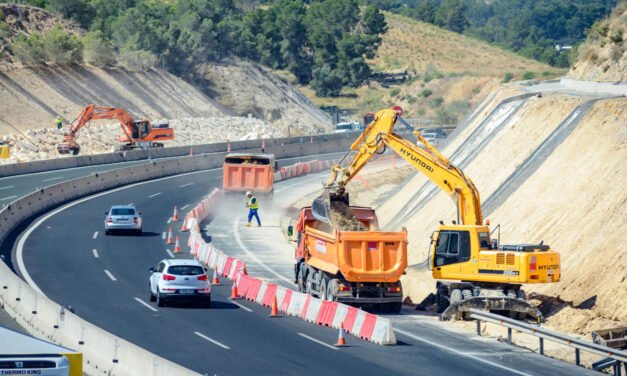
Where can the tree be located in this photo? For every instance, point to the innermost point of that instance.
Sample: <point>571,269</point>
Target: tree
<point>97,51</point>
<point>457,21</point>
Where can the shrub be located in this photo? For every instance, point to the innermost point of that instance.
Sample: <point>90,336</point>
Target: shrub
<point>528,75</point>
<point>428,77</point>
<point>617,36</point>
<point>411,99</point>
<point>445,116</point>
<point>29,50</point>
<point>426,92</point>
<point>136,60</point>
<point>508,77</point>
<point>437,102</point>
<point>97,51</point>
<point>394,92</point>
<point>59,47</point>
<point>421,112</point>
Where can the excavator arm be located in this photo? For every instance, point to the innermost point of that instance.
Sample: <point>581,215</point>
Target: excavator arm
<point>379,135</point>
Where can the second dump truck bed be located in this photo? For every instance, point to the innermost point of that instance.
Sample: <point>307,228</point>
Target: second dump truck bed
<point>248,172</point>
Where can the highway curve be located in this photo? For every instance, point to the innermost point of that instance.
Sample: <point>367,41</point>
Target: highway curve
<point>105,279</point>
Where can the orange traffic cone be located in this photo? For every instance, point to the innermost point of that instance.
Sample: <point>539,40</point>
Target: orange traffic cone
<point>234,294</point>
<point>177,245</point>
<point>216,280</point>
<point>341,341</point>
<point>170,238</point>
<point>275,308</point>
<point>175,215</point>
<point>184,226</point>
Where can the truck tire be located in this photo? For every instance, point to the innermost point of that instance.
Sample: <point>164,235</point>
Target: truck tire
<point>442,302</point>
<point>394,308</point>
<point>322,295</point>
<point>331,290</point>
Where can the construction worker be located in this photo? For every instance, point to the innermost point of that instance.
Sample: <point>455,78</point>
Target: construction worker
<point>253,206</point>
<point>59,122</point>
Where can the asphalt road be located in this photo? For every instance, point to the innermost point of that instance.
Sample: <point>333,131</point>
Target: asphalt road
<point>105,279</point>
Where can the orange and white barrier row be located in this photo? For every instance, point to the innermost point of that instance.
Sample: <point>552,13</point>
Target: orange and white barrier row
<point>302,168</point>
<point>357,322</point>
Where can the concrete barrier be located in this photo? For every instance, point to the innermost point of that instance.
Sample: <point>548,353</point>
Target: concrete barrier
<point>104,353</point>
<point>613,88</point>
<point>176,151</point>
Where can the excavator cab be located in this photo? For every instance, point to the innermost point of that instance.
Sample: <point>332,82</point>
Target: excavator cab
<point>141,129</point>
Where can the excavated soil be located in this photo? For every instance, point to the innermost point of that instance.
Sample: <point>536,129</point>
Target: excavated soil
<point>344,219</point>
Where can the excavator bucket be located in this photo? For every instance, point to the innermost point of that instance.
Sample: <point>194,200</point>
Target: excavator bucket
<point>321,206</point>
<point>63,148</point>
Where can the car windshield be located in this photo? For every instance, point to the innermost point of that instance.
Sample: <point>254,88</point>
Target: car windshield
<point>122,211</point>
<point>185,270</point>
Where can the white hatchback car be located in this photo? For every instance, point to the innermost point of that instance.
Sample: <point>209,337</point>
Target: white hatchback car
<point>123,218</point>
<point>180,280</point>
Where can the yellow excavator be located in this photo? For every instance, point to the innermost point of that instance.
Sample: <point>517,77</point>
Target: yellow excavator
<point>473,270</point>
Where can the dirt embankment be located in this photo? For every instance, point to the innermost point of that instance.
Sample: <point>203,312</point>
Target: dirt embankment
<point>574,200</point>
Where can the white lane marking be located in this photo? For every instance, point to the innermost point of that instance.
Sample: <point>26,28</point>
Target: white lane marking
<point>304,181</point>
<point>57,178</point>
<point>169,220</point>
<point>212,340</point>
<point>131,204</point>
<point>185,207</point>
<point>24,236</point>
<point>318,341</point>
<point>95,251</point>
<point>146,305</point>
<point>154,195</point>
<point>241,306</point>
<point>110,275</point>
<point>461,353</point>
<point>95,234</point>
<point>7,187</point>
<point>163,236</point>
<point>170,253</point>
<point>252,255</point>
<point>8,198</point>
<point>185,185</point>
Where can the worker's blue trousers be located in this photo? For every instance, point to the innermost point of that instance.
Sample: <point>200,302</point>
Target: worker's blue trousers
<point>253,213</point>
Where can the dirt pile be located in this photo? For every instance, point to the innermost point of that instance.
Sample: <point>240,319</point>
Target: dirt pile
<point>603,57</point>
<point>343,218</point>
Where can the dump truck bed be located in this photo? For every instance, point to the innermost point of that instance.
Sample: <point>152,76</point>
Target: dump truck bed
<point>248,172</point>
<point>360,256</point>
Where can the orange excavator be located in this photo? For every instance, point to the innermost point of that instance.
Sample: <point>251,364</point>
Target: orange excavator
<point>136,133</point>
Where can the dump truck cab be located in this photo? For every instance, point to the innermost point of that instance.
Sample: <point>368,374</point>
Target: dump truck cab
<point>249,172</point>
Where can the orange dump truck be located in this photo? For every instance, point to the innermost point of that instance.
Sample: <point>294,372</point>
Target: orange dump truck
<point>248,172</point>
<point>353,267</point>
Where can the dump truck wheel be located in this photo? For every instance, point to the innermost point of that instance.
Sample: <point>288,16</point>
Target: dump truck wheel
<point>323,289</point>
<point>330,290</point>
<point>394,307</point>
<point>456,296</point>
<point>442,302</point>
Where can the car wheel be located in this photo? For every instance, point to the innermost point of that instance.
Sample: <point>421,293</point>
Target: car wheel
<point>107,232</point>
<point>138,232</point>
<point>152,296</point>
<point>207,302</point>
<point>160,299</point>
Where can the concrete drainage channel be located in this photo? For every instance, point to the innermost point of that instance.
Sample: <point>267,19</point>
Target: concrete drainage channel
<point>104,353</point>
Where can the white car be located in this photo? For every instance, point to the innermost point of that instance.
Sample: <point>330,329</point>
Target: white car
<point>123,218</point>
<point>430,138</point>
<point>179,280</point>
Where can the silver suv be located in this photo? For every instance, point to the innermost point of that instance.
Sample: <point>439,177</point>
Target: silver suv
<point>123,218</point>
<point>175,279</point>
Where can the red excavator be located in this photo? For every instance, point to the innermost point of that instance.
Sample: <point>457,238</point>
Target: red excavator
<point>137,133</point>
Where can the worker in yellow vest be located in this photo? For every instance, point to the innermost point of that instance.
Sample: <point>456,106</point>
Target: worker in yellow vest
<point>59,122</point>
<point>253,206</point>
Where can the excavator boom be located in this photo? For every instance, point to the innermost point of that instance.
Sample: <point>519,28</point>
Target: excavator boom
<point>430,162</point>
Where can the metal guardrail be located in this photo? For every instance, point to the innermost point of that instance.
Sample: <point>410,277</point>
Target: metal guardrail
<point>620,356</point>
